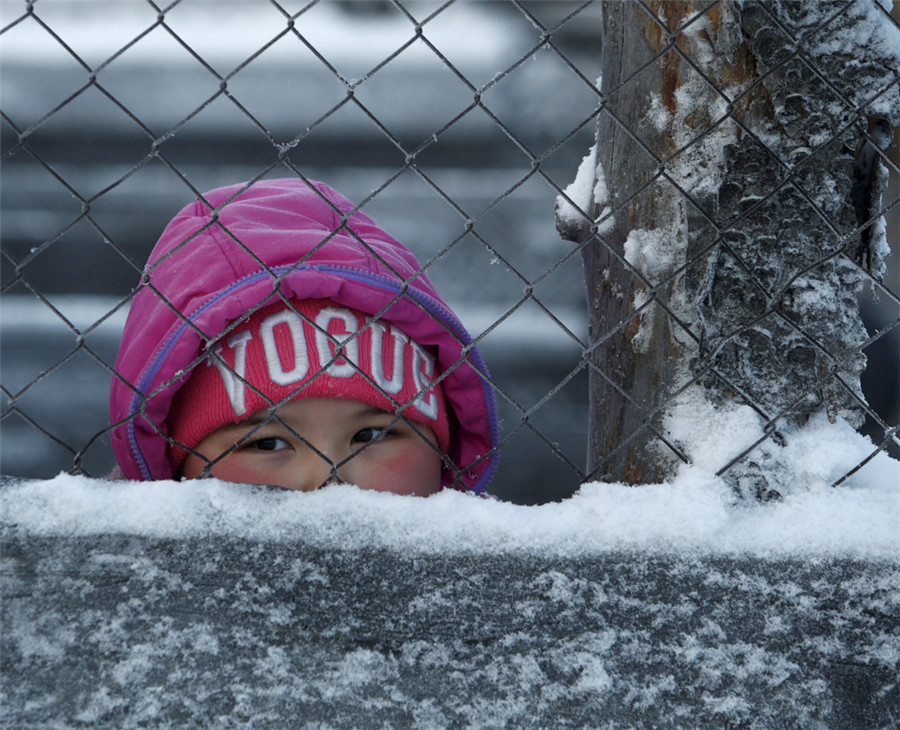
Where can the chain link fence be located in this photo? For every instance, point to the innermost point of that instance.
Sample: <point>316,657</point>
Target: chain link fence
<point>454,125</point>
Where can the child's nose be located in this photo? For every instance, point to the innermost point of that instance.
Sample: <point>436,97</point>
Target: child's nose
<point>312,471</point>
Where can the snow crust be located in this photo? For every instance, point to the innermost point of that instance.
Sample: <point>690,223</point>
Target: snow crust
<point>693,512</point>
<point>122,632</point>
<point>588,187</point>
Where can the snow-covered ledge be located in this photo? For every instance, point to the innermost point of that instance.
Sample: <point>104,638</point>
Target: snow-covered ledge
<point>206,604</point>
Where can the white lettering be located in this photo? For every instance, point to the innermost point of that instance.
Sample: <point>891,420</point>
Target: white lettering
<point>277,373</point>
<point>395,384</point>
<point>324,342</point>
<point>233,378</point>
<point>337,353</point>
<point>423,370</point>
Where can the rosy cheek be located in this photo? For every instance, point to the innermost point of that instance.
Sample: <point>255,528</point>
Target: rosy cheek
<point>406,471</point>
<point>236,470</point>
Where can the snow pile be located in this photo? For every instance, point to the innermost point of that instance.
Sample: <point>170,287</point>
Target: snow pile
<point>694,512</point>
<point>588,188</point>
<point>691,514</point>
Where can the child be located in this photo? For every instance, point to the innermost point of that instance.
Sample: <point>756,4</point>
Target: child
<point>280,337</point>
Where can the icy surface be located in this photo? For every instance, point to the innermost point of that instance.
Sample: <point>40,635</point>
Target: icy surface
<point>579,191</point>
<point>745,252</point>
<point>114,631</point>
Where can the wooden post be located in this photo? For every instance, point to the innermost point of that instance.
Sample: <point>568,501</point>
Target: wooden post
<point>725,218</point>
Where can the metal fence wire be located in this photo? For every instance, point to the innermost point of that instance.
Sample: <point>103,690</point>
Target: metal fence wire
<point>455,125</point>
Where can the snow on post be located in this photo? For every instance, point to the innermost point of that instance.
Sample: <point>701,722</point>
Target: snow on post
<point>729,214</point>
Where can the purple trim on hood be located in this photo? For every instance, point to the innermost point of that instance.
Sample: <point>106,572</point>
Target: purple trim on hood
<point>161,356</point>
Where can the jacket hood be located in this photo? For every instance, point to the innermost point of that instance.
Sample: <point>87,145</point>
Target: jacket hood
<point>241,247</point>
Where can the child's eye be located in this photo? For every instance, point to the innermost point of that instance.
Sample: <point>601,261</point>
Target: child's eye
<point>268,444</point>
<point>366,435</point>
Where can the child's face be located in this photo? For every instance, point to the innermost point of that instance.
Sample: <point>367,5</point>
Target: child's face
<point>404,460</point>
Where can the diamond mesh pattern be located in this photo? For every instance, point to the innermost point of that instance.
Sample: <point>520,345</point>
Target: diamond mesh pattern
<point>455,125</point>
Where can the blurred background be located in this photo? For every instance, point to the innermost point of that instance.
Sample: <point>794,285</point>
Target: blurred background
<point>464,121</point>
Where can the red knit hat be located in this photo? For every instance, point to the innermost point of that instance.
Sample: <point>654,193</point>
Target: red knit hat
<point>312,348</point>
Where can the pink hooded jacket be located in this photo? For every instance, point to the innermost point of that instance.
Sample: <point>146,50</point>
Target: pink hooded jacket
<point>234,251</point>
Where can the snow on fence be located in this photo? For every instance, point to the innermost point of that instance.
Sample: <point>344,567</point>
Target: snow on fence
<point>729,219</point>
